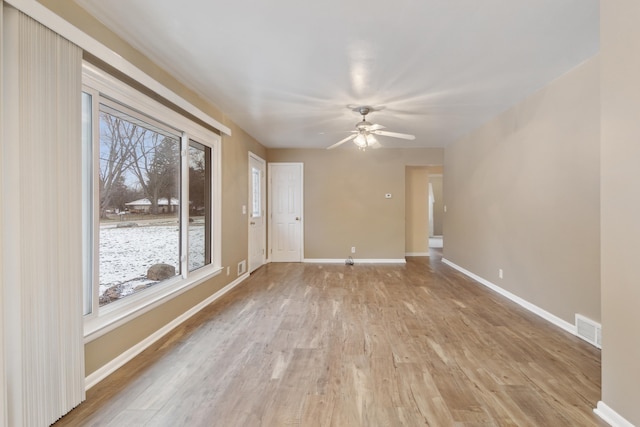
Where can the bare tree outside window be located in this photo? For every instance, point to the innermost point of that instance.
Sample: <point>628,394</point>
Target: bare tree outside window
<point>139,241</point>
<point>199,206</point>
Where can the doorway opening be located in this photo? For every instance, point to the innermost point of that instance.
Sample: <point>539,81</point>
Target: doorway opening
<point>423,209</point>
<point>257,213</point>
<point>436,208</point>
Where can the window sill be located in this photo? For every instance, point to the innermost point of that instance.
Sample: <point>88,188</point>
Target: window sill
<point>121,312</point>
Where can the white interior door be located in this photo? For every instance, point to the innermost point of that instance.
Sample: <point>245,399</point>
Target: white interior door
<point>257,225</point>
<point>285,212</point>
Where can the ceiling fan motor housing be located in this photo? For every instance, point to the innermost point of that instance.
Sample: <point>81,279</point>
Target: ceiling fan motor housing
<point>362,126</point>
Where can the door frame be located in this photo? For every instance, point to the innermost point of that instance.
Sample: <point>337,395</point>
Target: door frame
<point>270,215</point>
<point>263,189</point>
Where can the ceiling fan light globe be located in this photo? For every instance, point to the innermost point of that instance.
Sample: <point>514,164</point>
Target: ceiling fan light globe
<point>360,141</point>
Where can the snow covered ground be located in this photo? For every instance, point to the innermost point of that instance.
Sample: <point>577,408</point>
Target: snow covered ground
<point>127,252</point>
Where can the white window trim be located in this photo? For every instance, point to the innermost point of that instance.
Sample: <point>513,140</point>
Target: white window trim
<point>105,319</point>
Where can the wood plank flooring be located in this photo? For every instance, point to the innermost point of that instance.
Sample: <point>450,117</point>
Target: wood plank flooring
<point>365,345</point>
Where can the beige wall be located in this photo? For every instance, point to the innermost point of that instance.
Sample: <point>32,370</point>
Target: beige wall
<point>344,202</point>
<point>436,181</point>
<point>620,165</point>
<point>417,210</point>
<point>234,194</point>
<point>522,195</point>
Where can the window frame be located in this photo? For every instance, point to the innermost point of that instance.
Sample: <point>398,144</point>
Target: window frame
<point>207,256</point>
<point>101,85</point>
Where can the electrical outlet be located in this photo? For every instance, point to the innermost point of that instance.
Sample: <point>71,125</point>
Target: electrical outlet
<point>500,273</point>
<point>353,249</point>
<point>228,270</point>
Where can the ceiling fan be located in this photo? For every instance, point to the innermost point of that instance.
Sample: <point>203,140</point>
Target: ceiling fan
<point>364,135</point>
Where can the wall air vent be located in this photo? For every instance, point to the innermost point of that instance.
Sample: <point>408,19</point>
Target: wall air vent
<point>589,330</point>
<point>242,267</point>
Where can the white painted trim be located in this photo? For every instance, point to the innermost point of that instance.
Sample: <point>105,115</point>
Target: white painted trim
<point>416,254</point>
<point>531,307</point>
<point>49,19</point>
<point>356,261</point>
<point>610,416</point>
<point>106,370</point>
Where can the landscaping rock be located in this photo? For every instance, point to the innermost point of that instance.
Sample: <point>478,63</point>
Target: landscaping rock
<point>111,294</point>
<point>161,272</point>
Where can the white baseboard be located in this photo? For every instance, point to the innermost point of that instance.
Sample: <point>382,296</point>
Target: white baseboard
<point>356,261</point>
<point>526,304</point>
<point>610,416</point>
<point>417,254</point>
<point>104,371</point>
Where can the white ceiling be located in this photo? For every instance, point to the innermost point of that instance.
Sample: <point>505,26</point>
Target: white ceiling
<point>287,70</point>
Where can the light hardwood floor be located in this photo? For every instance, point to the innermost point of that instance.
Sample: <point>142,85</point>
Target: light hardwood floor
<point>365,345</point>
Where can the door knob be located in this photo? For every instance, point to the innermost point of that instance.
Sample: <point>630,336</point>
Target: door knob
<point>252,223</point>
<point>297,218</point>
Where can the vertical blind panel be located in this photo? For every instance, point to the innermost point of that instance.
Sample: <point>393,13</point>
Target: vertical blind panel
<point>51,207</point>
<point>3,388</point>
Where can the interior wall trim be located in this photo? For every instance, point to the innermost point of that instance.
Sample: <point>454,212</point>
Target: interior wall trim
<point>416,254</point>
<point>54,22</point>
<point>610,416</point>
<point>522,302</point>
<point>355,260</point>
<point>107,369</point>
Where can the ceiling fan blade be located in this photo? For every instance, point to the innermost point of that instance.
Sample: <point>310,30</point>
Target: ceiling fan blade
<point>347,139</point>
<point>375,127</point>
<point>394,134</point>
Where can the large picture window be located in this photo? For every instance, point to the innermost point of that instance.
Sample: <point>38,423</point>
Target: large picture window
<point>151,200</point>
